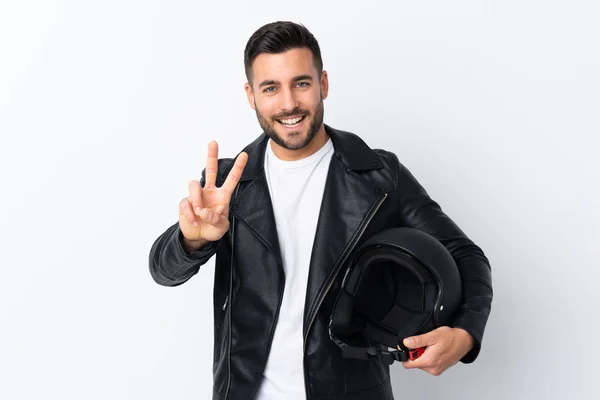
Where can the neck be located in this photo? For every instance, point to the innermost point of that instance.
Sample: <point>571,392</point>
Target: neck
<point>293,155</point>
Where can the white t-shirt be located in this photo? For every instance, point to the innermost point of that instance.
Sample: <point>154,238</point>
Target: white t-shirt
<point>296,189</point>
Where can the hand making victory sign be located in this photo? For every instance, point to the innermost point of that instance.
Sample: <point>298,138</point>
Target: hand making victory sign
<point>203,215</point>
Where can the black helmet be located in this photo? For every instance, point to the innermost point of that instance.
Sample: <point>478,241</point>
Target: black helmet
<point>400,282</point>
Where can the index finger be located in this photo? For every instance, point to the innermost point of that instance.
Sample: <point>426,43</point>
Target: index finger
<point>235,174</point>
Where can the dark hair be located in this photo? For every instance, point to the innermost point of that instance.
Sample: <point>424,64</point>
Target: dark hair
<point>278,37</point>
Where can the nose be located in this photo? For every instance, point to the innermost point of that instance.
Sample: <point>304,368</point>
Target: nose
<point>287,100</point>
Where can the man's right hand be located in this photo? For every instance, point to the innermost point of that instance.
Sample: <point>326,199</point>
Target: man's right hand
<point>204,214</point>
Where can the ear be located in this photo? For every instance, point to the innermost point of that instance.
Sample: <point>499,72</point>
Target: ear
<point>324,84</point>
<point>249,94</point>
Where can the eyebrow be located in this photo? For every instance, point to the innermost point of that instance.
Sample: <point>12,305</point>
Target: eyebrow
<point>295,79</point>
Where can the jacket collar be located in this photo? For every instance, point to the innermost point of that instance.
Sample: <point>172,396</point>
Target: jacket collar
<point>352,151</point>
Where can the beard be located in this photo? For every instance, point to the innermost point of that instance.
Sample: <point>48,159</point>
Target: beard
<point>268,126</point>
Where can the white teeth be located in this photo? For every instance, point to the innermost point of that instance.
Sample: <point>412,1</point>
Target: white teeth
<point>292,121</point>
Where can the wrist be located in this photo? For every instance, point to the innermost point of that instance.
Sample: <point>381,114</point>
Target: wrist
<point>466,338</point>
<point>193,245</point>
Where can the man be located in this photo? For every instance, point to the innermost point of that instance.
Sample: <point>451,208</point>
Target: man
<point>283,217</point>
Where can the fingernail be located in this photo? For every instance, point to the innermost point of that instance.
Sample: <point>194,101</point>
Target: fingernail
<point>195,223</point>
<point>408,342</point>
<point>205,214</point>
<point>198,210</point>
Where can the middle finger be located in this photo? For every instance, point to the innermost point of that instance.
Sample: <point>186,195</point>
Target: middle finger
<point>195,196</point>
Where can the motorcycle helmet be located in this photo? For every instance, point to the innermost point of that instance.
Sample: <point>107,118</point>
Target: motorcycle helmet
<point>399,283</point>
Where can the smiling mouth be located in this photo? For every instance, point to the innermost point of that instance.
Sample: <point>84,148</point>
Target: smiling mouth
<point>291,122</point>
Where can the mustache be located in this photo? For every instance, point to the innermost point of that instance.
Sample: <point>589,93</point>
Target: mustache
<point>292,113</point>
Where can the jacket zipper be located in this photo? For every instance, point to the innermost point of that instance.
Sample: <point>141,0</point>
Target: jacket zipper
<point>342,261</point>
<point>226,300</point>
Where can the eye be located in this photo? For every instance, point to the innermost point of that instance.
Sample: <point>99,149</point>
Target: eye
<point>267,90</point>
<point>303,84</point>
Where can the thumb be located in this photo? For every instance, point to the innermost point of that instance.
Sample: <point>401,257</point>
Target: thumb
<point>209,216</point>
<point>413,342</point>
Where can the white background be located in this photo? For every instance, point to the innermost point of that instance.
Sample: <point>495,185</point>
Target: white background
<point>105,112</point>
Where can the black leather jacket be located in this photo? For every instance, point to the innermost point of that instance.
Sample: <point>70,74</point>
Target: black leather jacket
<point>366,191</point>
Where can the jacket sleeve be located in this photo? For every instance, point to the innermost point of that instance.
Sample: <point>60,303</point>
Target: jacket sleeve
<point>170,264</point>
<point>419,211</point>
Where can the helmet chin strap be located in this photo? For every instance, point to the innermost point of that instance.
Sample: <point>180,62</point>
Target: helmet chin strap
<point>369,353</point>
<point>415,324</point>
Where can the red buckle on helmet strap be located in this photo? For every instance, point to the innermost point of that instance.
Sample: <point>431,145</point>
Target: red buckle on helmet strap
<point>413,354</point>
